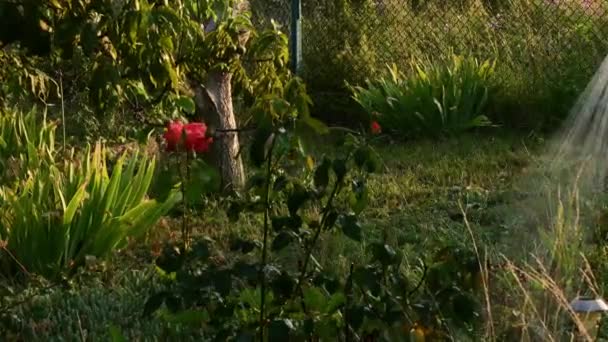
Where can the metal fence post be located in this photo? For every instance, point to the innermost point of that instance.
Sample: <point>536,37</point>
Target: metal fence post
<point>295,43</point>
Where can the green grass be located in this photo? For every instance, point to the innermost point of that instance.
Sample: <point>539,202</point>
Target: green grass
<point>414,203</point>
<point>415,199</point>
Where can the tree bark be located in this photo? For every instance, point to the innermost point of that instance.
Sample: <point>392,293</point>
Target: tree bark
<point>214,104</point>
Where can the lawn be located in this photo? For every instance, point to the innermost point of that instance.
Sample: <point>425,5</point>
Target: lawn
<point>415,203</point>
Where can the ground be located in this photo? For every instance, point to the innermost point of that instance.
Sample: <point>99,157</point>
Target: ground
<point>415,203</point>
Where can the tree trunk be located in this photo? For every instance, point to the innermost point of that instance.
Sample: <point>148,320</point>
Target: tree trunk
<point>214,103</point>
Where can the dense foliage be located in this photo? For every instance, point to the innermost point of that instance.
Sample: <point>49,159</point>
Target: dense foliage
<point>137,57</point>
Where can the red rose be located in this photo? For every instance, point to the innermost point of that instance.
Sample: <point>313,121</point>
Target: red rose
<point>173,135</point>
<point>375,127</point>
<point>195,139</point>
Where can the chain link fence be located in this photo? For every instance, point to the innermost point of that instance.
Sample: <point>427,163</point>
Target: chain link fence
<point>551,46</point>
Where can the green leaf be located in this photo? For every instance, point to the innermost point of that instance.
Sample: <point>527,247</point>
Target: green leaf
<point>167,181</point>
<point>116,335</point>
<point>88,38</point>
<point>331,219</point>
<point>167,44</point>
<point>367,278</point>
<point>297,198</point>
<point>340,169</point>
<point>279,107</point>
<point>73,205</point>
<point>132,24</point>
<point>282,240</point>
<point>314,299</point>
<point>259,145</point>
<point>385,254</point>
<point>280,330</point>
<point>172,73</point>
<point>362,155</point>
<point>321,176</point>
<point>359,196</point>
<point>317,125</point>
<point>351,228</point>
<point>335,302</point>
<point>355,316</point>
<point>283,285</point>
<point>204,179</point>
<point>186,104</point>
<point>56,4</point>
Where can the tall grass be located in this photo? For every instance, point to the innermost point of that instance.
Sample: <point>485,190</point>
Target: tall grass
<point>542,268</point>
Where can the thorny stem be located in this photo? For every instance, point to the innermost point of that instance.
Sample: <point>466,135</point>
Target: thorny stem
<point>265,244</point>
<point>313,242</point>
<point>185,233</point>
<point>348,293</point>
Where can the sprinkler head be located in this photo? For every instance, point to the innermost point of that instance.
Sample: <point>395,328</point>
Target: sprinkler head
<point>589,311</point>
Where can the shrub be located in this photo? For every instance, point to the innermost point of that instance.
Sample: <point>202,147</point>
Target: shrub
<point>435,99</point>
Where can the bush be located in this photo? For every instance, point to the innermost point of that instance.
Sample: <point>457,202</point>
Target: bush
<point>436,99</point>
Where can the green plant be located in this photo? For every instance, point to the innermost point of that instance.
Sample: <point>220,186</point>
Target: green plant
<point>434,99</point>
<point>67,211</point>
<point>24,140</point>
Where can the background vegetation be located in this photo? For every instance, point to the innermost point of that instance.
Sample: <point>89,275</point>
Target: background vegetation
<point>394,191</point>
<point>545,51</point>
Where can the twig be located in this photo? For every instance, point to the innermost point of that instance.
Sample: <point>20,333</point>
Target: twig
<point>317,234</point>
<point>237,130</point>
<point>23,269</point>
